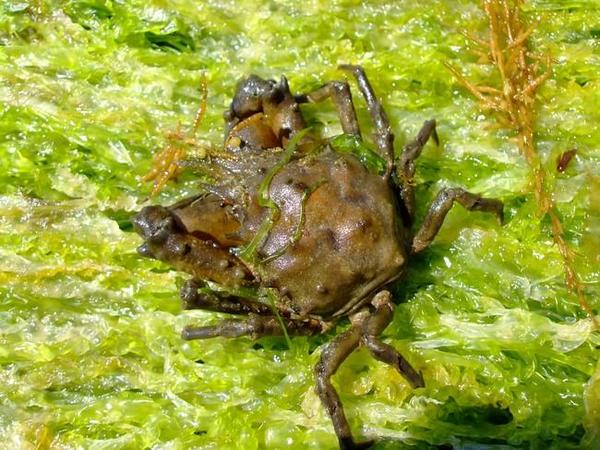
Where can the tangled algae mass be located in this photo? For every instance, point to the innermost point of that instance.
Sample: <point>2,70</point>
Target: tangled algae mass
<point>90,350</point>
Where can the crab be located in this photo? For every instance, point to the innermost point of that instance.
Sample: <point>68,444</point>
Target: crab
<point>316,231</point>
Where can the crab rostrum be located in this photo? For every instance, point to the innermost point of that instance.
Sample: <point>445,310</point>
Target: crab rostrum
<point>315,228</point>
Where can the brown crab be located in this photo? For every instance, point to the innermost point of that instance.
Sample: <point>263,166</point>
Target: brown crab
<point>315,229</point>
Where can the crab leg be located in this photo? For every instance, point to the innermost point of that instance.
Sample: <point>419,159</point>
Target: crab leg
<point>219,302</point>
<point>256,326</point>
<point>381,351</point>
<point>366,326</point>
<point>339,92</point>
<point>332,357</point>
<point>406,168</point>
<point>384,138</point>
<point>440,207</point>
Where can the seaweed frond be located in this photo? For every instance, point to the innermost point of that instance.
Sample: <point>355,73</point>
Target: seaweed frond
<point>167,163</point>
<point>521,72</point>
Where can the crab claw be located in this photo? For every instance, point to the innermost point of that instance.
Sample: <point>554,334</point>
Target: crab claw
<point>154,224</point>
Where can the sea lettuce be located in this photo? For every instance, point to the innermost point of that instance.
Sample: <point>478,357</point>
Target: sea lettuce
<point>90,350</point>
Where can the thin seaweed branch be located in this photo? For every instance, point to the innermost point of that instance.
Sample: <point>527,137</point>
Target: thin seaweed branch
<point>166,164</point>
<point>521,73</point>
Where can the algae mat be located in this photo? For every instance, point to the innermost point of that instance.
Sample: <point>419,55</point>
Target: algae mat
<point>89,331</point>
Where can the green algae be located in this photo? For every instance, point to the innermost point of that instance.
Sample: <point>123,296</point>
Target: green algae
<point>89,342</point>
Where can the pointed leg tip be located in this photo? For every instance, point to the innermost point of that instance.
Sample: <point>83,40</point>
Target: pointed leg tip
<point>349,444</point>
<point>419,382</point>
<point>350,68</point>
<point>191,333</point>
<point>430,124</point>
<point>186,334</point>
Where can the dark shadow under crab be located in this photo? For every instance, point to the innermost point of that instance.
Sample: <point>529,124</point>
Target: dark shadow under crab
<point>319,230</point>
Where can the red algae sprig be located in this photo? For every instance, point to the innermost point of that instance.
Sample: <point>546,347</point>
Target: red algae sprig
<point>512,101</point>
<point>166,163</point>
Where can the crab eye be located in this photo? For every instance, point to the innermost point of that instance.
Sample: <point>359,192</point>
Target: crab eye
<point>276,96</point>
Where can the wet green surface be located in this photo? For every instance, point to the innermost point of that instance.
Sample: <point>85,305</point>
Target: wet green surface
<point>90,350</point>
